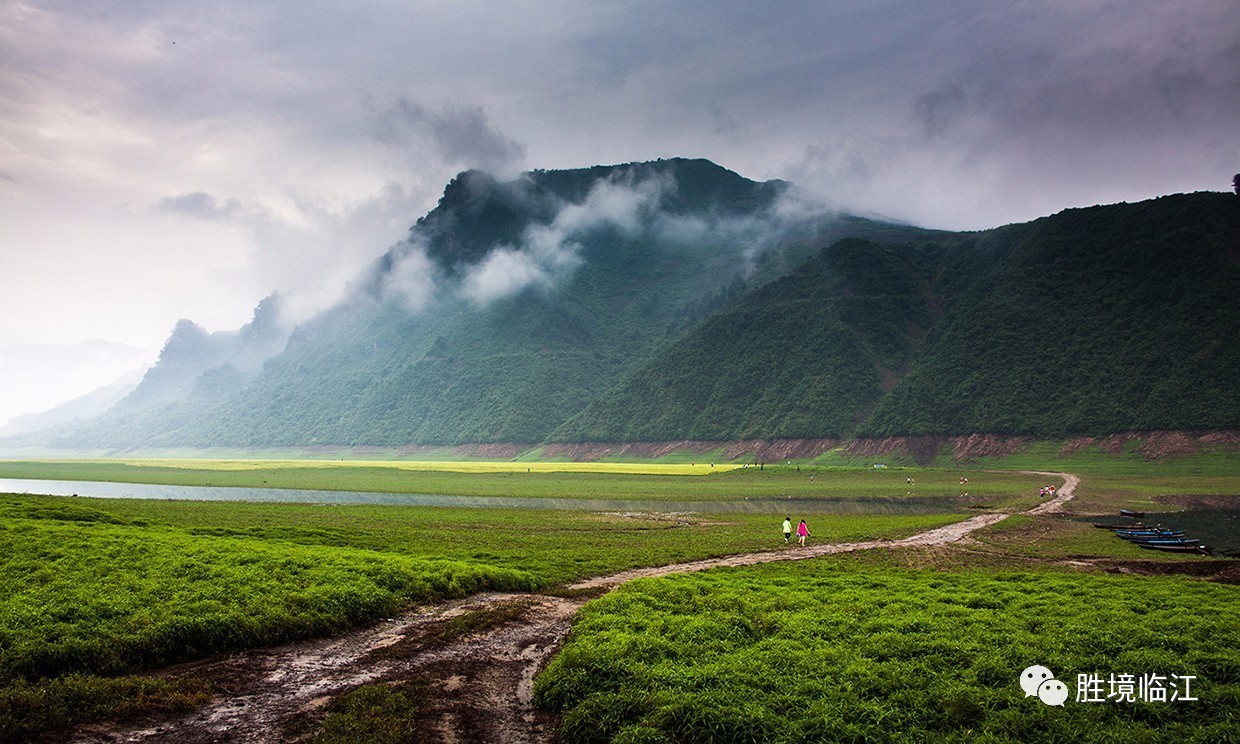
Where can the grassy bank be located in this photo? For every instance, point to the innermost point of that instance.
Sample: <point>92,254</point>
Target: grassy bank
<point>839,650</point>
<point>585,481</point>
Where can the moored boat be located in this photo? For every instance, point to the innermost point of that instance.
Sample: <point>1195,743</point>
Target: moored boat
<point>1196,548</point>
<point>1151,535</point>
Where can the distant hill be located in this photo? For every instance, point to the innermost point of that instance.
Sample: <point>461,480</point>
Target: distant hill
<point>677,300</point>
<point>37,377</point>
<point>69,413</point>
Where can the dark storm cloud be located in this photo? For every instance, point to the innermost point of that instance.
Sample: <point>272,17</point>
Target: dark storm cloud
<point>1095,94</point>
<point>1014,111</point>
<point>1095,112</point>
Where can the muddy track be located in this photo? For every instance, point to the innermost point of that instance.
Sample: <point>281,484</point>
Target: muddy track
<point>473,687</point>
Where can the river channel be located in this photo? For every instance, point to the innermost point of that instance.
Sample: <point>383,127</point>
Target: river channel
<point>111,490</point>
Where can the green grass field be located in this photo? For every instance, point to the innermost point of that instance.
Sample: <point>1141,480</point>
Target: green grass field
<point>837,650</point>
<point>93,591</point>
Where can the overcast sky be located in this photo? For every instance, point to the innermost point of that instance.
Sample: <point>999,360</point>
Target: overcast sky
<point>162,159</point>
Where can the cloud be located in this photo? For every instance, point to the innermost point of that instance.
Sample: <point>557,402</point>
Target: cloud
<point>201,205</point>
<point>550,253</point>
<point>410,280</point>
<point>305,249</point>
<point>278,126</point>
<point>937,111</point>
<point>506,271</point>
<point>460,135</point>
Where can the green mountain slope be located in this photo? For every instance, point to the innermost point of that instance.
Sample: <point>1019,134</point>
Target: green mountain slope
<point>1116,318</point>
<point>808,355</point>
<point>1107,319</point>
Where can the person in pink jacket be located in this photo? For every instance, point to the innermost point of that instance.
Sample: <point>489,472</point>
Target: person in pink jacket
<point>802,532</point>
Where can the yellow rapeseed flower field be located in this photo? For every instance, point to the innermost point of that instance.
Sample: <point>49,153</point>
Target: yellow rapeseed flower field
<point>462,466</point>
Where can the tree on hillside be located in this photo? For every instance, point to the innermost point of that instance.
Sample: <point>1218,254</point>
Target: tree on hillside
<point>1235,183</point>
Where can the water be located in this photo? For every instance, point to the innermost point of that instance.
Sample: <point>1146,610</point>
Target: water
<point>110,490</point>
<point>1219,528</point>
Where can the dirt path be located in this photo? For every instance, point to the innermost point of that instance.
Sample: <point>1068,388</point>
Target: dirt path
<point>476,686</point>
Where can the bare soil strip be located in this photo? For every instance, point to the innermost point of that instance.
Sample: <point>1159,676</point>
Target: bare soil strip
<point>475,688</point>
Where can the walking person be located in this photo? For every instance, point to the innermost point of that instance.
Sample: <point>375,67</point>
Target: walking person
<point>787,529</point>
<point>802,532</point>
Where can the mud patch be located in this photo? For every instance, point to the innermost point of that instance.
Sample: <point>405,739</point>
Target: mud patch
<point>923,450</point>
<point>758,450</point>
<point>1154,446</point>
<point>781,449</point>
<point>1223,572</point>
<point>440,633</point>
<point>593,451</point>
<point>1202,501</point>
<point>978,446</point>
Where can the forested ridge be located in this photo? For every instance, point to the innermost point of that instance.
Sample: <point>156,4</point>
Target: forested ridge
<point>1091,321</point>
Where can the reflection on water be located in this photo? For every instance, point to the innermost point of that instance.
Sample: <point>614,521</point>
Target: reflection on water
<point>1216,527</point>
<point>107,490</point>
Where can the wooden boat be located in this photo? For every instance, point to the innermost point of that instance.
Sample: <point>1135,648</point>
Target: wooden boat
<point>1149,533</point>
<point>1150,537</point>
<point>1131,513</point>
<point>1198,548</point>
<point>1132,526</point>
<point>1142,530</point>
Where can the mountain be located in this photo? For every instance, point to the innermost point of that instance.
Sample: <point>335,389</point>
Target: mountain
<point>1108,319</point>
<point>505,311</point>
<point>196,371</point>
<point>675,300</point>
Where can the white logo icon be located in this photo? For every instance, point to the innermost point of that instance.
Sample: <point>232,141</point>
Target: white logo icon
<point>1053,692</point>
<point>1032,678</point>
<point>1040,682</point>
